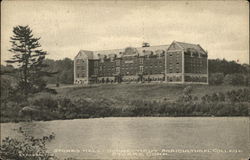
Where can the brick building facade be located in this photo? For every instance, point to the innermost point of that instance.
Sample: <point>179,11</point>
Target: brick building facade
<point>175,63</point>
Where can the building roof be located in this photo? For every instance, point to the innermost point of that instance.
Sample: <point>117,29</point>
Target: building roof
<point>140,50</point>
<point>187,46</point>
<point>153,48</point>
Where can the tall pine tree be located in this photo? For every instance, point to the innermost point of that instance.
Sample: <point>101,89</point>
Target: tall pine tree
<point>28,57</point>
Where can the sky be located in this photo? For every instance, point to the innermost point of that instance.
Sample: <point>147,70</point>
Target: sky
<point>65,27</point>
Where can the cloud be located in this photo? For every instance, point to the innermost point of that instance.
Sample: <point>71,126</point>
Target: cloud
<point>68,26</point>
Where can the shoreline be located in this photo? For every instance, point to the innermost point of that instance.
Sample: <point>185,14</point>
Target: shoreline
<point>191,116</point>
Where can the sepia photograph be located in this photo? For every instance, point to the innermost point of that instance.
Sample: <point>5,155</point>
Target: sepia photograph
<point>125,80</point>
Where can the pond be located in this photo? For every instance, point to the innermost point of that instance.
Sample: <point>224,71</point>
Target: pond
<point>143,137</point>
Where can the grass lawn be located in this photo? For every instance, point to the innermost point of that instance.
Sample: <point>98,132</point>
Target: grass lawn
<point>149,91</point>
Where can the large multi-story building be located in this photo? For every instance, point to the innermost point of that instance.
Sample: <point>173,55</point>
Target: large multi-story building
<point>175,63</point>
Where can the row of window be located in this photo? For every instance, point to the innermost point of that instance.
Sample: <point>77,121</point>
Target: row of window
<point>130,67</point>
<point>197,55</point>
<point>174,78</point>
<point>195,79</point>
<point>175,54</point>
<point>172,71</point>
<point>145,72</point>
<point>80,75</point>
<point>136,79</point>
<point>134,64</point>
<point>195,69</point>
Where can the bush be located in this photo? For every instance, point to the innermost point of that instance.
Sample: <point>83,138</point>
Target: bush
<point>241,95</point>
<point>43,107</point>
<point>10,111</point>
<point>28,148</point>
<point>44,101</point>
<point>216,78</point>
<point>66,108</point>
<point>6,89</point>
<point>186,97</point>
<point>235,79</point>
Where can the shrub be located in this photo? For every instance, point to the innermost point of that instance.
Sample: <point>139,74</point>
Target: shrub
<point>44,101</point>
<point>216,78</point>
<point>186,97</point>
<point>66,107</point>
<point>28,148</point>
<point>235,79</point>
<point>241,95</point>
<point>221,96</point>
<point>214,97</point>
<point>10,111</point>
<point>6,89</point>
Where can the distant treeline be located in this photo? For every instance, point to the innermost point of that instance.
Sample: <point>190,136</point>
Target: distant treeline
<point>220,71</point>
<point>226,67</point>
<point>228,73</point>
<point>65,69</point>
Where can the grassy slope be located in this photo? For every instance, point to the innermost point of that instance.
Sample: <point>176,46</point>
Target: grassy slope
<point>124,92</point>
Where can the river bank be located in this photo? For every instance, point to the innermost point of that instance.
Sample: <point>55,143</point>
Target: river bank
<point>127,101</point>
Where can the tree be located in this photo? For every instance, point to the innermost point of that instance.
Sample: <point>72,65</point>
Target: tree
<point>226,67</point>
<point>65,69</point>
<point>28,57</point>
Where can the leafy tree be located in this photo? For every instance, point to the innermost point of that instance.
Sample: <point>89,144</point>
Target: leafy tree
<point>28,57</point>
<point>64,69</point>
<point>226,67</point>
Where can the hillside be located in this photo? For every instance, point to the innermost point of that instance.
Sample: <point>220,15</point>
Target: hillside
<point>124,92</point>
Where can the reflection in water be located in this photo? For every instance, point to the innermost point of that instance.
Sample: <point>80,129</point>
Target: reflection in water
<point>96,138</point>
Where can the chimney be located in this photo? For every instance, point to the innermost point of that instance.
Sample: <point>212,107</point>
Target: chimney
<point>145,44</point>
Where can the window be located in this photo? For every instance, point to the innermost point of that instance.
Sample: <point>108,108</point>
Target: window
<point>141,60</point>
<point>96,63</point>
<point>141,68</point>
<point>95,71</point>
<point>118,62</point>
<point>78,61</point>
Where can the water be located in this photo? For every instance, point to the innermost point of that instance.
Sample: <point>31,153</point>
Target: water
<point>144,138</point>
